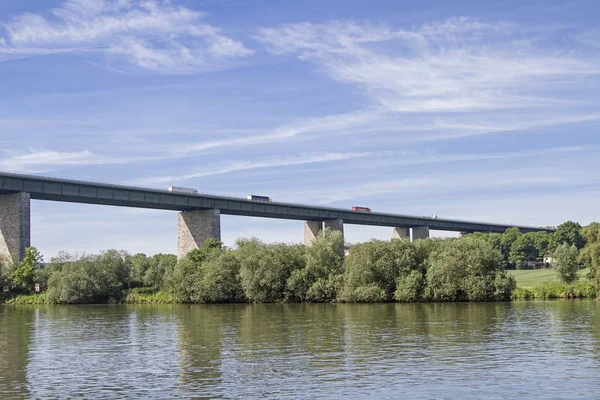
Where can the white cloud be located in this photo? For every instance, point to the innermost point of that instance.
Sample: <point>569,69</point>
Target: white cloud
<point>250,165</point>
<point>151,35</point>
<point>456,65</point>
<point>36,161</point>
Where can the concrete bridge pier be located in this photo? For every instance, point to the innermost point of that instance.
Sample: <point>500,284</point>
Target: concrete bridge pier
<point>15,225</point>
<point>195,227</point>
<point>420,232</point>
<point>312,230</point>
<point>401,232</point>
<point>335,225</point>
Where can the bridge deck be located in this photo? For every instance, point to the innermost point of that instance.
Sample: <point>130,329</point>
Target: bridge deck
<point>66,190</point>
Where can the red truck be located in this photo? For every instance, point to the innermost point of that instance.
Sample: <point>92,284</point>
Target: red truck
<point>361,209</point>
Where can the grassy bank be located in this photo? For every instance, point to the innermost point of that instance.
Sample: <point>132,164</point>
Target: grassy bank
<point>39,298</point>
<point>132,296</point>
<point>543,284</point>
<point>529,278</point>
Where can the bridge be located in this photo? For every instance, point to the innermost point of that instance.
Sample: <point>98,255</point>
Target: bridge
<point>199,215</point>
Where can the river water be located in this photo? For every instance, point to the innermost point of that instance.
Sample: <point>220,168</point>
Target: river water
<point>487,350</point>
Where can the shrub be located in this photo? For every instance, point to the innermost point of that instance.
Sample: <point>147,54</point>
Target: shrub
<point>320,278</point>
<point>379,264</point>
<point>92,279</point>
<point>410,288</point>
<point>219,280</point>
<point>265,269</point>
<point>463,269</point>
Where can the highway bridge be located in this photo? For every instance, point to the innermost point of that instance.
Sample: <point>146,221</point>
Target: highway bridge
<point>199,214</point>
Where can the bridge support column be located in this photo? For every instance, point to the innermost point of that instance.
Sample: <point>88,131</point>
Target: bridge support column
<point>335,225</point>
<point>312,229</point>
<point>195,227</point>
<point>15,225</point>
<point>420,232</point>
<point>401,233</point>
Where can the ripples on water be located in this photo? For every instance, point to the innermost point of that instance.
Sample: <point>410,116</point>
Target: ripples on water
<point>487,350</point>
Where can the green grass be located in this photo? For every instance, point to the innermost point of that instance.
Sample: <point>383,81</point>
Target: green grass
<point>39,298</point>
<point>529,278</point>
<point>148,296</point>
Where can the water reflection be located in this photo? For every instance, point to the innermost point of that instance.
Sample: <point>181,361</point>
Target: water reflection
<point>15,327</point>
<point>491,350</point>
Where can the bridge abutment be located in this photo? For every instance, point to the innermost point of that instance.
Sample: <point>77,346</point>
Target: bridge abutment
<point>195,227</point>
<point>15,225</point>
<point>420,232</point>
<point>401,232</point>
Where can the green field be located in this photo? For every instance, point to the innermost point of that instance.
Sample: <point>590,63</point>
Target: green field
<point>529,278</point>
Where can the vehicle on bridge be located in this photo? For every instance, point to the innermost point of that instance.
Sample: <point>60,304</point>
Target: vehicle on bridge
<point>179,189</point>
<point>361,209</point>
<point>430,216</point>
<point>264,199</point>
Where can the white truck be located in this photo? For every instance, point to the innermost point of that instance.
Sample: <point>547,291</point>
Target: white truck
<point>179,189</point>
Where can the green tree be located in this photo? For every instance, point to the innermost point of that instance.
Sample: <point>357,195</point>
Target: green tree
<point>320,278</point>
<point>507,239</point>
<point>220,280</point>
<point>139,264</point>
<point>570,233</point>
<point>24,273</point>
<point>265,269</point>
<point>90,279</point>
<point>6,268</point>
<point>591,233</point>
<point>210,246</point>
<point>523,249</point>
<point>566,264</point>
<point>372,270</point>
<point>158,265</point>
<point>541,242</point>
<point>464,270</point>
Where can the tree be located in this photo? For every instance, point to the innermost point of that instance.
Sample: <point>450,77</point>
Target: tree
<point>91,279</point>
<point>373,269</point>
<point>320,278</point>
<point>569,233</point>
<point>210,246</point>
<point>6,267</point>
<point>464,270</point>
<point>591,233</point>
<point>506,241</point>
<point>139,265</point>
<point>590,257</point>
<point>23,276</point>
<point>523,249</point>
<point>266,268</point>
<point>566,265</point>
<point>158,265</point>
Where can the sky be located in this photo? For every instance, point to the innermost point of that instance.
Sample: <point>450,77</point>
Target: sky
<point>484,111</point>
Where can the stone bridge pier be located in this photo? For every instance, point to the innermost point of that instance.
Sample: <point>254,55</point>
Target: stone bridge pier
<point>195,227</point>
<point>15,225</point>
<point>312,229</point>
<point>420,232</point>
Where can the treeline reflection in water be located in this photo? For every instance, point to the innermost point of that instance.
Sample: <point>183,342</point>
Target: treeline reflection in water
<point>451,350</point>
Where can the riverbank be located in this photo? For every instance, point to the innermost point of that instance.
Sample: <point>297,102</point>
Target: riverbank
<point>546,291</point>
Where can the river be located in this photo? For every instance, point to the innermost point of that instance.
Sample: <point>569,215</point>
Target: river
<point>457,350</point>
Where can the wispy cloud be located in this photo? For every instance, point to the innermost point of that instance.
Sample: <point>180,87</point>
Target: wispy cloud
<point>37,161</point>
<point>456,65</point>
<point>301,159</point>
<point>151,35</point>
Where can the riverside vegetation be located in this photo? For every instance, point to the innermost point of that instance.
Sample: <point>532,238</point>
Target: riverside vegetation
<point>471,268</point>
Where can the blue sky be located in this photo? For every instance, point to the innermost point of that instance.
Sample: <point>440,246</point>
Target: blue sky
<point>473,110</point>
